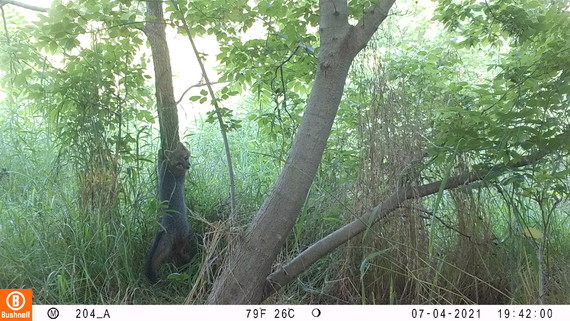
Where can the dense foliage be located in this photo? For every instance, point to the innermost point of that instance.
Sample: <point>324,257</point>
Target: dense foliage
<point>444,88</point>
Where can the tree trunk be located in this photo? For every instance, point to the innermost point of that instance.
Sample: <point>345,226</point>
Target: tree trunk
<point>244,275</point>
<point>166,104</point>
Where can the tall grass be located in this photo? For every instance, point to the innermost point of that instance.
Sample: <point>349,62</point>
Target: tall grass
<point>56,240</point>
<point>472,250</point>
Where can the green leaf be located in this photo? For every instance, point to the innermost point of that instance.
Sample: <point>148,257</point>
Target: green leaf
<point>178,276</point>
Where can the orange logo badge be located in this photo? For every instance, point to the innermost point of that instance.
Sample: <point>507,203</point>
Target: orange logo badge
<point>16,304</point>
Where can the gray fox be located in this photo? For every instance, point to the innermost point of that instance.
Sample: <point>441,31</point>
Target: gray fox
<point>172,241</point>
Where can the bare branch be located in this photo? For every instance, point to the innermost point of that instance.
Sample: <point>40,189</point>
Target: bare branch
<point>23,5</point>
<point>5,24</point>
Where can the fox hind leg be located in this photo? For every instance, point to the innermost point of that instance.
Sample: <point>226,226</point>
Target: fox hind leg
<point>160,250</point>
<point>182,252</point>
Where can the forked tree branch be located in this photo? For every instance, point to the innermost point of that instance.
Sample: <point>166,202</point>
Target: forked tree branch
<point>299,264</point>
<point>371,20</point>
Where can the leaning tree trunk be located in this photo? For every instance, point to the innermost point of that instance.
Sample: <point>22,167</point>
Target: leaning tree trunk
<point>244,275</point>
<point>166,104</point>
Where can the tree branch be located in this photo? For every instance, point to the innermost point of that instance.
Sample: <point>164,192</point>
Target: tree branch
<point>23,5</point>
<point>5,24</point>
<point>223,127</point>
<point>370,22</point>
<point>200,84</point>
<point>299,264</point>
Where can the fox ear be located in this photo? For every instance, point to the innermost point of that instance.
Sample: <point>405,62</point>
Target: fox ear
<point>181,147</point>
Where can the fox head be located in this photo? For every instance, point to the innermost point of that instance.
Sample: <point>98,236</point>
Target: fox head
<point>178,160</point>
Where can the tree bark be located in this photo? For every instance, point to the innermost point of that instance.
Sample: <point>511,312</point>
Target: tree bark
<point>166,103</point>
<point>243,278</point>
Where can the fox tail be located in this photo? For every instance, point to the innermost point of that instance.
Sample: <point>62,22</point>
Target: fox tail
<point>158,252</point>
